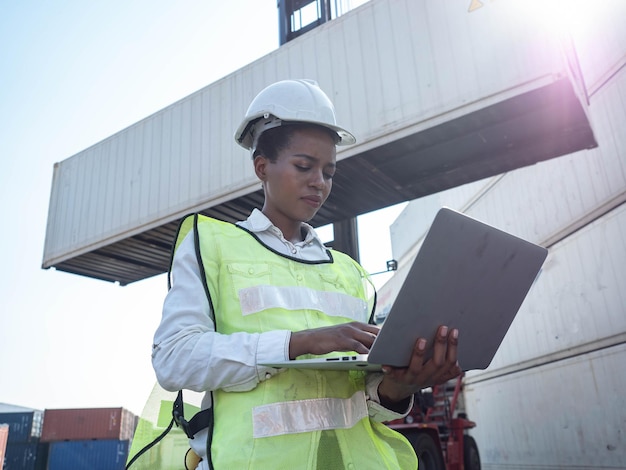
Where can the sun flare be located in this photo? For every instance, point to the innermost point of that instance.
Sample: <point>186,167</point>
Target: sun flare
<point>566,17</point>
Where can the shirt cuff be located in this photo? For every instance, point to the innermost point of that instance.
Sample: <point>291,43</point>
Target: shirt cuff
<point>376,411</point>
<point>273,346</point>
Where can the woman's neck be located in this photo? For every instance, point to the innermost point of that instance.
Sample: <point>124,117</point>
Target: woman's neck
<point>291,230</point>
<point>295,235</point>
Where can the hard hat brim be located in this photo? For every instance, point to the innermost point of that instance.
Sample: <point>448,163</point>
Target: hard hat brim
<point>245,139</point>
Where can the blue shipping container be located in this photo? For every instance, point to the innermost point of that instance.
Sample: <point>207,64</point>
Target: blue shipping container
<point>24,426</point>
<point>88,455</point>
<point>25,456</point>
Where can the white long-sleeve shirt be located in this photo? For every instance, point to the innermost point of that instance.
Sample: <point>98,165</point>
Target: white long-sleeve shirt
<point>189,354</point>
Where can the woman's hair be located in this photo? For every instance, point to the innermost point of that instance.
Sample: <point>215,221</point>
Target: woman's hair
<point>272,141</point>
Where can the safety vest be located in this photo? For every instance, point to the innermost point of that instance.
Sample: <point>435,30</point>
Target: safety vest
<point>298,419</point>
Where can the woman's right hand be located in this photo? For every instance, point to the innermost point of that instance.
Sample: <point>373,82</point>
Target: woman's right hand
<point>354,336</point>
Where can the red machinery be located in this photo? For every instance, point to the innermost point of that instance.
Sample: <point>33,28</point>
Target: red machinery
<point>437,435</point>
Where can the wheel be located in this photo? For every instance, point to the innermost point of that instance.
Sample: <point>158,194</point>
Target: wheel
<point>428,453</point>
<point>471,458</point>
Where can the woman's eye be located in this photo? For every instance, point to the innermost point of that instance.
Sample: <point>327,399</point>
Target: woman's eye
<point>305,168</point>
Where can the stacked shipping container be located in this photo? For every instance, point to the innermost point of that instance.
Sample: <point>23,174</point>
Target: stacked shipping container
<point>62,439</point>
<point>92,438</point>
<point>109,454</point>
<point>87,423</point>
<point>553,397</point>
<point>22,448</point>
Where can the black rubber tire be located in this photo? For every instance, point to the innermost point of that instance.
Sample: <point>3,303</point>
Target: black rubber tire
<point>428,452</point>
<point>471,457</point>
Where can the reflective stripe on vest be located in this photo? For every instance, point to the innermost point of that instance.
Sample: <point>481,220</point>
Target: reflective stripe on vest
<point>318,414</point>
<point>258,298</point>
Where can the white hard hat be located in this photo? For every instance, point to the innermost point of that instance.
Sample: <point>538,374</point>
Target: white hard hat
<point>289,101</point>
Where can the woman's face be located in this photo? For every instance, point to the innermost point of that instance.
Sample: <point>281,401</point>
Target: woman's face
<point>299,181</point>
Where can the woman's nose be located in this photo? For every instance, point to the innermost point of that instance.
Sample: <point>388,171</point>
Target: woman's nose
<point>317,179</point>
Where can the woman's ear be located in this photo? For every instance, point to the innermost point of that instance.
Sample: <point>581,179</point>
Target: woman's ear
<point>260,166</point>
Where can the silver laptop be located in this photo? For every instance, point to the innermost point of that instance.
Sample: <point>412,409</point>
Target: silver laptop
<point>466,275</point>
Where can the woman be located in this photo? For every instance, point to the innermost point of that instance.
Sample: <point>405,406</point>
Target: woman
<point>267,289</point>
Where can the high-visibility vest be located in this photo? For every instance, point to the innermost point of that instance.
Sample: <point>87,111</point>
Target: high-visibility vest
<point>298,419</point>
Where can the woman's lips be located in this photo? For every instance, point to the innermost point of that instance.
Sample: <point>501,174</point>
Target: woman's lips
<point>314,201</point>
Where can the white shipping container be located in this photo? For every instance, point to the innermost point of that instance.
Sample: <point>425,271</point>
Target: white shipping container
<point>566,414</point>
<point>553,396</point>
<point>394,68</point>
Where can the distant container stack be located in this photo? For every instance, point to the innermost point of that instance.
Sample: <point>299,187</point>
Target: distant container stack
<point>88,454</point>
<point>88,423</point>
<point>24,426</point>
<point>20,432</point>
<point>88,438</point>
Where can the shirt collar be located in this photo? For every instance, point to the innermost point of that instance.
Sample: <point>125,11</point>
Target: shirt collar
<point>258,222</point>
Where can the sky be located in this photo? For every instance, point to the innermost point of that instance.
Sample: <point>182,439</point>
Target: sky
<point>71,74</point>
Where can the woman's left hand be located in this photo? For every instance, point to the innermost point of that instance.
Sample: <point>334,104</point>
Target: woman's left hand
<point>400,383</point>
